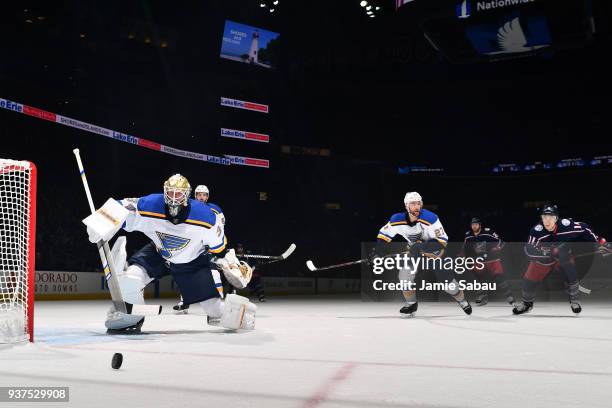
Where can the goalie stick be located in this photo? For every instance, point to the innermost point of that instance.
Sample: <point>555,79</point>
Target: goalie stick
<point>272,258</point>
<point>108,264</point>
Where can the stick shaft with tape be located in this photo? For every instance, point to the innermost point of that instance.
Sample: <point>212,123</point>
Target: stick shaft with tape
<point>103,249</point>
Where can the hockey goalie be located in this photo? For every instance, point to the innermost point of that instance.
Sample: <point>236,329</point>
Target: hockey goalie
<point>187,242</point>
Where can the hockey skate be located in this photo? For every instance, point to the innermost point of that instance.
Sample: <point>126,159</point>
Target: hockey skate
<point>133,329</point>
<point>482,299</point>
<point>181,308</point>
<point>575,304</point>
<point>213,321</point>
<point>465,306</point>
<point>409,310</point>
<point>573,298</point>
<point>523,307</point>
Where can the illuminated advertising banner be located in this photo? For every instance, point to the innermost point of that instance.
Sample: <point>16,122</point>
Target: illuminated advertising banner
<point>250,45</point>
<point>226,160</point>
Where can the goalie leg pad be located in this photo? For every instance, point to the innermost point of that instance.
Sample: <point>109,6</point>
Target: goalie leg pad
<point>238,313</point>
<point>119,253</point>
<point>212,308</point>
<point>132,281</point>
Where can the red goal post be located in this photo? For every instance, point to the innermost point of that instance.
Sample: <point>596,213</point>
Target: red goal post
<point>17,250</point>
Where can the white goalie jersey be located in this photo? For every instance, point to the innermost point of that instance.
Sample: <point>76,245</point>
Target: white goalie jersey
<point>202,231</point>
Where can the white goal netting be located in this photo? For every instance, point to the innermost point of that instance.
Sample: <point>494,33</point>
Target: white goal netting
<point>17,225</point>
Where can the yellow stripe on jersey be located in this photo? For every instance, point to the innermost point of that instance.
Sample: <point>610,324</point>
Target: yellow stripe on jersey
<point>399,223</point>
<point>200,223</point>
<point>215,211</point>
<point>220,249</point>
<point>152,214</point>
<point>383,237</point>
<point>423,221</point>
<point>443,242</point>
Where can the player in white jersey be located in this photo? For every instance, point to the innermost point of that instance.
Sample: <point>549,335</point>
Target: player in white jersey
<point>184,233</point>
<point>425,235</point>
<point>201,193</point>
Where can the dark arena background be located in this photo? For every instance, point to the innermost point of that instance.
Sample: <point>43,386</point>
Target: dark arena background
<point>309,122</point>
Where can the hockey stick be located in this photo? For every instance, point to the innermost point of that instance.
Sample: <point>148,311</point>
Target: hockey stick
<point>311,266</point>
<point>272,258</point>
<point>108,264</point>
<point>604,254</point>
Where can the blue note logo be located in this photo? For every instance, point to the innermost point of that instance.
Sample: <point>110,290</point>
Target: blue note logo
<point>170,244</point>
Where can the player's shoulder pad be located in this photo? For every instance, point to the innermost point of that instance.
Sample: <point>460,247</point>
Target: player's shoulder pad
<point>152,205</point>
<point>468,233</point>
<point>201,215</point>
<point>538,228</point>
<point>398,219</point>
<point>427,217</point>
<point>216,209</point>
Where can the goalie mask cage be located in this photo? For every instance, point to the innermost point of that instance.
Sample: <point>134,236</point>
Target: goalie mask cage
<point>17,250</point>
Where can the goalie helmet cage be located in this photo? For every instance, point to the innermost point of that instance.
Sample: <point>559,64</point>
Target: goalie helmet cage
<point>17,250</point>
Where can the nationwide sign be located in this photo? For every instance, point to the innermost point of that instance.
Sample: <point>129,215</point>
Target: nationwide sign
<point>465,8</point>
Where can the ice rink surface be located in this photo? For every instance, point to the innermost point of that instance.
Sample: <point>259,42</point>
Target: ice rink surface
<point>311,352</point>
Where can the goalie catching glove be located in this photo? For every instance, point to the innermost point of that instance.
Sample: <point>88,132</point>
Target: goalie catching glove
<point>238,273</point>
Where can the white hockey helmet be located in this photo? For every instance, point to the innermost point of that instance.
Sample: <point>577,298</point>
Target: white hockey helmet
<point>412,197</point>
<point>201,189</point>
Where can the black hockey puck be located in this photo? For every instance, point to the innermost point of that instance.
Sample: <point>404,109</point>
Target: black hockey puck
<point>117,361</point>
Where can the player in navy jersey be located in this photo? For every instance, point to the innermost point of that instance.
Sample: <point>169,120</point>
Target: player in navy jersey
<point>549,248</point>
<point>481,241</point>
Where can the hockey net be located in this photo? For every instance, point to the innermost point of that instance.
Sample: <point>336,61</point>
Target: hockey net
<point>17,250</point>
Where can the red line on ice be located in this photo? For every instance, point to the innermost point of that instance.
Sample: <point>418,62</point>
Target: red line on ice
<point>329,386</point>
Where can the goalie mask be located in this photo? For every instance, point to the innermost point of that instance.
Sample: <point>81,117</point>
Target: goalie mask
<point>176,193</point>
